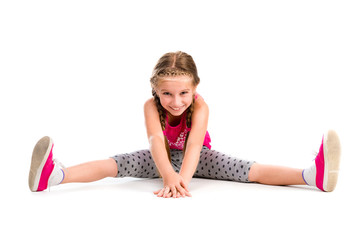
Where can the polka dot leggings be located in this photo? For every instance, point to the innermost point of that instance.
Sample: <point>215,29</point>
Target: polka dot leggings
<point>212,164</point>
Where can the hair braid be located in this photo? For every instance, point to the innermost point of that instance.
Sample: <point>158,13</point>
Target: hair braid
<point>162,113</point>
<point>189,113</point>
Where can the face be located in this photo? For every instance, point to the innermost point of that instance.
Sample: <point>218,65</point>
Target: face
<point>176,94</point>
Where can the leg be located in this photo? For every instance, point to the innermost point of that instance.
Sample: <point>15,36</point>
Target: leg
<point>135,164</point>
<point>45,171</point>
<point>275,175</point>
<point>322,174</point>
<point>217,165</point>
<point>91,171</point>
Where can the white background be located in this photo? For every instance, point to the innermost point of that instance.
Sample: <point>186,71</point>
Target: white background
<point>276,75</point>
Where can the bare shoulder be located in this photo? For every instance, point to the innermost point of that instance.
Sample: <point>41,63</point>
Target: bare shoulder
<point>199,120</point>
<point>149,104</point>
<point>200,104</point>
<point>152,119</point>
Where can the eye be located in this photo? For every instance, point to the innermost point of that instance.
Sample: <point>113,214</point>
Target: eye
<point>166,93</point>
<point>185,92</point>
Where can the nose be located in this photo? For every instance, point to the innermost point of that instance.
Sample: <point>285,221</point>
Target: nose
<point>177,101</point>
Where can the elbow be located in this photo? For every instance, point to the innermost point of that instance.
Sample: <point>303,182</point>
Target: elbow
<point>153,139</point>
<point>194,145</point>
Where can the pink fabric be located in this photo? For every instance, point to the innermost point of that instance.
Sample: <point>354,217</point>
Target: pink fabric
<point>46,172</point>
<point>320,167</point>
<point>177,135</point>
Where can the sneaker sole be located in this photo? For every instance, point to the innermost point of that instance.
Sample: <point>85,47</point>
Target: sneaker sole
<point>332,152</point>
<point>40,155</point>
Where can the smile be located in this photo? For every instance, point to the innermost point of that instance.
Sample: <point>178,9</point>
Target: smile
<point>176,109</point>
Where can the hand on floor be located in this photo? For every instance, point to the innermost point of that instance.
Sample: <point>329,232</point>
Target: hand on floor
<point>174,186</point>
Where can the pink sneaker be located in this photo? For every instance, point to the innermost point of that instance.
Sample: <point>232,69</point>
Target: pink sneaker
<point>44,171</point>
<point>324,173</point>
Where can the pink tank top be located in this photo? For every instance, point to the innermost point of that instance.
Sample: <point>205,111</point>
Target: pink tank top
<point>177,135</point>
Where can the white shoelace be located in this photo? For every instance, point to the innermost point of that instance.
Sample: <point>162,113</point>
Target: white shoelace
<point>57,162</point>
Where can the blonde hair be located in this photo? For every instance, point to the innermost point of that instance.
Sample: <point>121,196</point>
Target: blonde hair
<point>174,64</point>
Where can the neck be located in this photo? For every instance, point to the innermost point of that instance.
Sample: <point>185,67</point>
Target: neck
<point>174,120</point>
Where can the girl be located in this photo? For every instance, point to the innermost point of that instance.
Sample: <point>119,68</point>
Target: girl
<point>176,121</point>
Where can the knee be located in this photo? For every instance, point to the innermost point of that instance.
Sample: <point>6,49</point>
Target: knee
<point>255,172</point>
<point>110,167</point>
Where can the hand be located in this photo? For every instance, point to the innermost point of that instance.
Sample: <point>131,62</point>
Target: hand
<point>174,186</point>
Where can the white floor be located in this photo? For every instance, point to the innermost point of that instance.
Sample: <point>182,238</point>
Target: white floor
<point>126,208</point>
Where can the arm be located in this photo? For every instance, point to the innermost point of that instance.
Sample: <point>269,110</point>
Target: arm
<point>156,138</point>
<point>174,184</point>
<point>196,139</point>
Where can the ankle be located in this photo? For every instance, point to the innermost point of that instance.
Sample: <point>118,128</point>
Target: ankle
<point>309,175</point>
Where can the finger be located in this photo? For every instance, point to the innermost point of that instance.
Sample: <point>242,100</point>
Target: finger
<point>156,192</point>
<point>184,193</point>
<point>160,194</point>
<point>181,190</point>
<point>182,183</point>
<point>173,191</point>
<point>166,192</point>
<point>178,195</point>
<point>168,195</point>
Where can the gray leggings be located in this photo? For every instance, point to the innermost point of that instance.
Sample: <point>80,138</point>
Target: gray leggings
<point>212,164</point>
